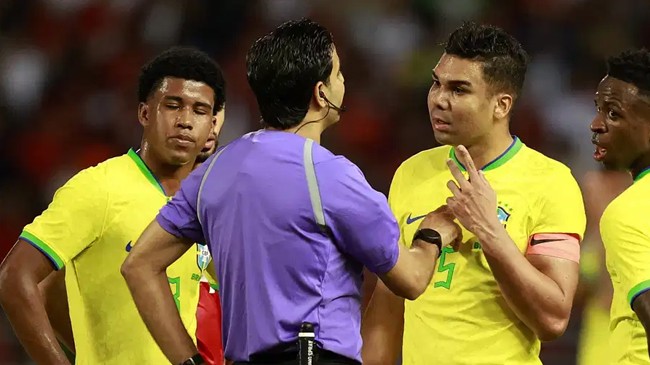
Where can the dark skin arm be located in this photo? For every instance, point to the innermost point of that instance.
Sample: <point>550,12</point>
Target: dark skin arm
<point>145,274</point>
<point>56,304</point>
<point>382,327</point>
<point>641,307</point>
<point>20,273</point>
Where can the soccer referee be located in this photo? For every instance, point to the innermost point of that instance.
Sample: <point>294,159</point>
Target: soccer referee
<point>290,225</point>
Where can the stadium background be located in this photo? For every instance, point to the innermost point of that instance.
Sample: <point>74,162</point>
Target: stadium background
<point>68,72</point>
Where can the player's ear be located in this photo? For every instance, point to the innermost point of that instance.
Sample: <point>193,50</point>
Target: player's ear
<point>143,114</point>
<point>503,105</point>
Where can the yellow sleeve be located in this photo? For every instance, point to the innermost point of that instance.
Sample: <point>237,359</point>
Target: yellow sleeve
<point>560,208</point>
<point>73,220</point>
<point>394,202</point>
<point>628,250</point>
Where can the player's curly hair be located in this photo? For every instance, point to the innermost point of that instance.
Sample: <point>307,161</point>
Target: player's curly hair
<point>184,63</point>
<point>632,66</point>
<point>504,59</point>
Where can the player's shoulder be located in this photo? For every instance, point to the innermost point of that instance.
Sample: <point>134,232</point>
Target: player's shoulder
<point>632,200</point>
<point>540,164</point>
<point>99,174</point>
<point>425,163</point>
<point>543,171</point>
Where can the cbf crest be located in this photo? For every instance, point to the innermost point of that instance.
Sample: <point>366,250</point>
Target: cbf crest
<point>503,213</point>
<point>202,256</point>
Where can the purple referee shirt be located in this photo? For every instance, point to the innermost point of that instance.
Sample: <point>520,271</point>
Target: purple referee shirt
<point>277,268</point>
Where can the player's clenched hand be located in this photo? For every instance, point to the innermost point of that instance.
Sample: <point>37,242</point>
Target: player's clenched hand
<point>474,202</point>
<point>442,220</point>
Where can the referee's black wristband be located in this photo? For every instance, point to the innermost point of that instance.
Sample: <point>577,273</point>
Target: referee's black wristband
<point>194,360</point>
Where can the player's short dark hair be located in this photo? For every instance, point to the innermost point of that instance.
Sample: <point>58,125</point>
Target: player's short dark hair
<point>184,63</point>
<point>283,67</point>
<point>632,66</point>
<point>504,59</point>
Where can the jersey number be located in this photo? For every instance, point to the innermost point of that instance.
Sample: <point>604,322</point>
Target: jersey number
<point>175,285</point>
<point>442,267</point>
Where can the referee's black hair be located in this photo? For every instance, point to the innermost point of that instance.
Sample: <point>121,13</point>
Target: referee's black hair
<point>184,63</point>
<point>284,66</point>
<point>632,66</point>
<point>504,59</point>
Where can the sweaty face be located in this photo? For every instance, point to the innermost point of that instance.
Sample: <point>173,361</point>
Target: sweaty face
<point>460,105</point>
<point>213,141</point>
<point>621,128</point>
<point>178,119</point>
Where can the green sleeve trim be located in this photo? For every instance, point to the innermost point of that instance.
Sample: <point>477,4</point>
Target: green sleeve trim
<point>44,248</point>
<point>214,286</point>
<point>637,290</point>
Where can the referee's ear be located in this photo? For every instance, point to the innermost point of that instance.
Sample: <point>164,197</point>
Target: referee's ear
<point>143,114</point>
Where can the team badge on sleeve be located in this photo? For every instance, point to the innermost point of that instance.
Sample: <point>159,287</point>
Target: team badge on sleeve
<point>202,256</point>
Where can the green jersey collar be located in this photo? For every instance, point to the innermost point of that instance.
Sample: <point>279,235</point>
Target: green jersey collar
<point>506,156</point>
<point>641,174</point>
<point>145,170</point>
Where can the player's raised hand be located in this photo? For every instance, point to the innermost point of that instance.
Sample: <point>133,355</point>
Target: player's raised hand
<point>474,202</point>
<point>442,220</point>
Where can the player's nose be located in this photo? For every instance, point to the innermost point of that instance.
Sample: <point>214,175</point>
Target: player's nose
<point>184,119</point>
<point>597,124</point>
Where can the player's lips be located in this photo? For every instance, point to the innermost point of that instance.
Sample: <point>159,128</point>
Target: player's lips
<point>182,139</point>
<point>600,151</point>
<point>440,124</point>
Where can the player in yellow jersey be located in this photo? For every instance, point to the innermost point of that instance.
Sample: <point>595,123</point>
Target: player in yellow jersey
<point>94,219</point>
<point>512,280</point>
<point>208,314</point>
<point>621,133</point>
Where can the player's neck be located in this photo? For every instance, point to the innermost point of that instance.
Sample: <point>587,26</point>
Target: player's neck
<point>169,176</point>
<point>640,166</point>
<point>488,149</point>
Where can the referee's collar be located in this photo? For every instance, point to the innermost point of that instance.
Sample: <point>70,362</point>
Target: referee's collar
<point>506,156</point>
<point>146,171</point>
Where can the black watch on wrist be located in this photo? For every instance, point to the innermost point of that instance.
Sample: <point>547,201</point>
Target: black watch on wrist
<point>430,236</point>
<point>194,360</point>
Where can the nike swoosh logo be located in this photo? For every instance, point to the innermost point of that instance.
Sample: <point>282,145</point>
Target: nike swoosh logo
<point>534,242</point>
<point>410,219</point>
<point>128,247</point>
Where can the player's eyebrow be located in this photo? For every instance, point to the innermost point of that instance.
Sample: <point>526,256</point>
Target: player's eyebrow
<point>451,82</point>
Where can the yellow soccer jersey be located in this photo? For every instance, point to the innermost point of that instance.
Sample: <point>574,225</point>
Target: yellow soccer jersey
<point>625,229</point>
<point>90,227</point>
<point>462,318</point>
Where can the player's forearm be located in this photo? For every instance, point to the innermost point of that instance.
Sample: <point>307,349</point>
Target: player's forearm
<point>536,299</point>
<point>23,304</point>
<point>55,299</point>
<point>382,327</point>
<point>154,300</point>
<point>641,306</point>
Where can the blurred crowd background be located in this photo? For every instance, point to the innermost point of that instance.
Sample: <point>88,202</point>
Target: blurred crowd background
<point>69,68</point>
